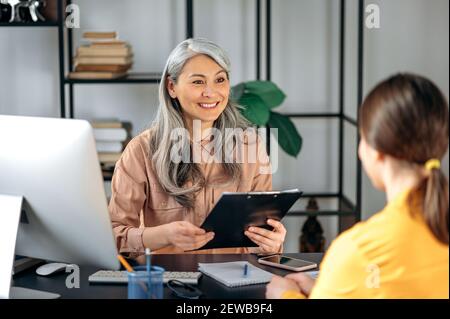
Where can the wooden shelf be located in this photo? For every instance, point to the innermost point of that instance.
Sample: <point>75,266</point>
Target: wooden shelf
<point>134,77</point>
<point>320,213</point>
<point>345,207</point>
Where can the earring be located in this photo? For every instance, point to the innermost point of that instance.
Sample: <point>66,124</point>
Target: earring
<point>175,104</point>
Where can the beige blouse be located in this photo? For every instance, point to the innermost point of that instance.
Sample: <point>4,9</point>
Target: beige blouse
<point>138,200</point>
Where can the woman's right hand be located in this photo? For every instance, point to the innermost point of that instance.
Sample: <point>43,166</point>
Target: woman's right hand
<point>278,285</point>
<point>187,236</point>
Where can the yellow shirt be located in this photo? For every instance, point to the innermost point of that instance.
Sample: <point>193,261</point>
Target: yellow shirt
<point>392,255</point>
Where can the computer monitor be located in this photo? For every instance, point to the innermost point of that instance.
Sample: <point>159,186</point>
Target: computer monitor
<point>53,164</point>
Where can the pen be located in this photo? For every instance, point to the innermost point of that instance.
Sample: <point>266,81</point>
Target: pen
<point>245,270</point>
<point>147,259</point>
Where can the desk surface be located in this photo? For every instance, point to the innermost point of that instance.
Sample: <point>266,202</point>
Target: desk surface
<point>211,289</point>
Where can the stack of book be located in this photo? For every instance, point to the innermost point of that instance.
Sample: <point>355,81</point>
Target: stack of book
<point>102,56</point>
<point>111,137</point>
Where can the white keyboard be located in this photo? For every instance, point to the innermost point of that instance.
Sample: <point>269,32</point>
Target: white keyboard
<point>121,277</point>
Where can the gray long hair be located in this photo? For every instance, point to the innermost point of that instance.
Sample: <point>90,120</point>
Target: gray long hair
<point>174,176</point>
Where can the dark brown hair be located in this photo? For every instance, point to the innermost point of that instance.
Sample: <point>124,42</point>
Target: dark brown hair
<point>406,117</point>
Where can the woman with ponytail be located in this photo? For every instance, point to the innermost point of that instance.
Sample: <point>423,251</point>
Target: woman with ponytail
<point>403,251</point>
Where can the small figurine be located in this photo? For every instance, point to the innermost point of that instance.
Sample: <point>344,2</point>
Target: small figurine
<point>23,10</point>
<point>312,239</point>
<point>33,8</point>
<point>12,4</point>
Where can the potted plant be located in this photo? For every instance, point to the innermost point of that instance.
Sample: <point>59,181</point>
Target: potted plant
<point>258,99</point>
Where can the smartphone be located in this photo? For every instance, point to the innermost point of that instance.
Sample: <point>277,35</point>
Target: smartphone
<point>288,263</point>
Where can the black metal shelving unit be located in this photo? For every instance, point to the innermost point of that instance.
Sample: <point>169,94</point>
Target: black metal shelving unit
<point>134,77</point>
<point>46,24</point>
<point>65,55</point>
<point>131,78</point>
<point>29,24</point>
<point>347,212</point>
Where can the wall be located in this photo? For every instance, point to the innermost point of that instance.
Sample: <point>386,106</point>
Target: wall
<point>413,37</point>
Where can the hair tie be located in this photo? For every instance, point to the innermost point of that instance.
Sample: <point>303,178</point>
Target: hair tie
<point>432,164</point>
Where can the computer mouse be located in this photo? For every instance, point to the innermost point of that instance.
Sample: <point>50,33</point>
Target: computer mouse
<point>50,268</point>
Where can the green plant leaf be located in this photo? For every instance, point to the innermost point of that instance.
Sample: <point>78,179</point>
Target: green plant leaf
<point>288,137</point>
<point>237,91</point>
<point>268,91</point>
<point>254,109</point>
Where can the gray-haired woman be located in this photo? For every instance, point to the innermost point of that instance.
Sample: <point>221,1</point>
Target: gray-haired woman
<point>159,201</point>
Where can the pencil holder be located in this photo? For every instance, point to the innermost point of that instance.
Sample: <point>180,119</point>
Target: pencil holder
<point>146,285</point>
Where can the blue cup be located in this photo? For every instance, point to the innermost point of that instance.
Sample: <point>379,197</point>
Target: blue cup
<point>145,285</point>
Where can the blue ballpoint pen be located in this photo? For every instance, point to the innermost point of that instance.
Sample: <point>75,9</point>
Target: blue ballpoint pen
<point>148,264</point>
<point>245,270</point>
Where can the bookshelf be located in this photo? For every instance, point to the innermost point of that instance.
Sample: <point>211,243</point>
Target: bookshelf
<point>132,77</point>
<point>66,54</point>
<point>67,103</point>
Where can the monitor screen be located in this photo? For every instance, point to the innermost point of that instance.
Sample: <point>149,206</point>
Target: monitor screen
<point>53,164</point>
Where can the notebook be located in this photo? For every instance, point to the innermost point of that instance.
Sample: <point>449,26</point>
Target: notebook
<point>231,274</point>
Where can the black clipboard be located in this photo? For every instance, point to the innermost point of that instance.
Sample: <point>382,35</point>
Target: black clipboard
<point>235,212</point>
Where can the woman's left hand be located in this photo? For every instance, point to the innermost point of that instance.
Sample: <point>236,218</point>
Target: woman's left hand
<point>269,241</point>
<point>278,285</point>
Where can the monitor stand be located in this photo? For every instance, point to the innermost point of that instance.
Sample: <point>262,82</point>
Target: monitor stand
<point>11,209</point>
<point>25,293</point>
